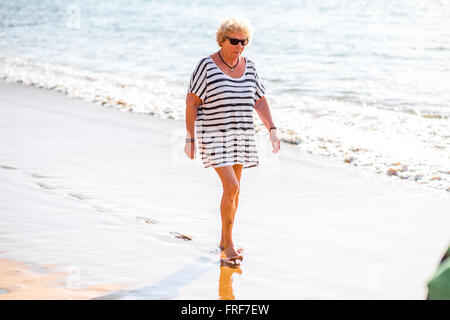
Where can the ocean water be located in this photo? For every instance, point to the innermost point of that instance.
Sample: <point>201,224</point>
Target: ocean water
<point>367,82</point>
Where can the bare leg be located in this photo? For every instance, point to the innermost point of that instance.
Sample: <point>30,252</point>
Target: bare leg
<point>238,172</point>
<point>230,185</point>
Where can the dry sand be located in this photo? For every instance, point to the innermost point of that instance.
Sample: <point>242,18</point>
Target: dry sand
<point>104,196</point>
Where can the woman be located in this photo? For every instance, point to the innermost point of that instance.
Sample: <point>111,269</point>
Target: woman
<point>223,91</point>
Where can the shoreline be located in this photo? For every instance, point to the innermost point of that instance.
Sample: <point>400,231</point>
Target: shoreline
<point>415,150</point>
<point>109,193</point>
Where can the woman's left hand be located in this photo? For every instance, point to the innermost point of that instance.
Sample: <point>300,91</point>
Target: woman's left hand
<point>274,140</point>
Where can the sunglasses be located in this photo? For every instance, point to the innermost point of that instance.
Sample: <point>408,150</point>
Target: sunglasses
<point>235,41</point>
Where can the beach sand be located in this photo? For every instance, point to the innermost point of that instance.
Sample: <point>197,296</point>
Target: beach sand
<point>110,201</point>
<point>21,282</point>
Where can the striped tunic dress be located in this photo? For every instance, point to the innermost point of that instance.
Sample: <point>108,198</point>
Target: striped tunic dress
<point>224,124</point>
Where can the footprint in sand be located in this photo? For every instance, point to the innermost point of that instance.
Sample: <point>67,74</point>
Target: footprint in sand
<point>8,167</point>
<point>147,220</point>
<point>79,196</point>
<point>45,186</point>
<point>181,236</point>
<point>101,209</point>
<point>39,176</point>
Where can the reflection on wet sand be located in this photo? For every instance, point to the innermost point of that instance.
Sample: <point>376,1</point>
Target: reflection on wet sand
<point>226,282</point>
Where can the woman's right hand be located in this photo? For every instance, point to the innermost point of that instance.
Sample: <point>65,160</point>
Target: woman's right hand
<point>190,149</point>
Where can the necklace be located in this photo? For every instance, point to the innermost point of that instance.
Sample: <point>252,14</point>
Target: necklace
<point>232,68</point>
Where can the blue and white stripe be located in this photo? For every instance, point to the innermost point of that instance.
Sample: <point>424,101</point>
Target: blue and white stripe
<point>224,124</point>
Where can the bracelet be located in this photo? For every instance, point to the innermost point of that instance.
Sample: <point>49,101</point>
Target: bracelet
<point>272,128</point>
<point>190,140</point>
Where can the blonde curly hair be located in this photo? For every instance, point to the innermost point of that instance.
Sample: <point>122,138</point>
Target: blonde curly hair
<point>234,24</point>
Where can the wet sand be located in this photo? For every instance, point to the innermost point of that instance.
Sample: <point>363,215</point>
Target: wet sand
<point>109,198</point>
<point>20,282</point>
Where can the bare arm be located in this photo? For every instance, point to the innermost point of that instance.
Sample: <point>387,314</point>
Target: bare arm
<point>192,104</point>
<point>262,108</point>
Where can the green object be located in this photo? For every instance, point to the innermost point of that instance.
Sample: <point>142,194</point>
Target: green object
<point>439,284</point>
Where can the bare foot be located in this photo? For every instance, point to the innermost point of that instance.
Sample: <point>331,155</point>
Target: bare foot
<point>230,258</point>
<point>238,250</point>
<point>231,252</point>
